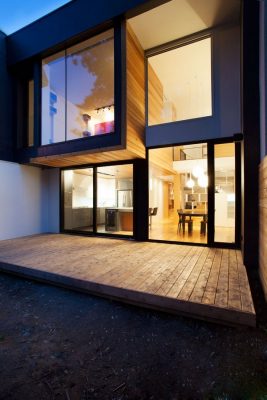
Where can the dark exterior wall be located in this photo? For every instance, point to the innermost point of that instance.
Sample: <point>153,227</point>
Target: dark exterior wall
<point>251,130</point>
<point>70,21</point>
<point>263,75</point>
<point>263,225</point>
<point>263,166</point>
<point>6,136</point>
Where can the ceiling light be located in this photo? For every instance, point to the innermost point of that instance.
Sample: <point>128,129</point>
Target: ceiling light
<point>197,171</point>
<point>203,181</point>
<point>190,183</point>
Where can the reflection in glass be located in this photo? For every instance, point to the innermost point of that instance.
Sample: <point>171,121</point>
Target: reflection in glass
<point>90,87</point>
<point>224,192</point>
<point>115,199</point>
<point>179,83</point>
<point>78,87</point>
<point>53,99</point>
<point>78,199</point>
<point>30,113</point>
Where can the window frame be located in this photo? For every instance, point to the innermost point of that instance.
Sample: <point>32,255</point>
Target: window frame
<point>117,139</point>
<point>94,231</point>
<point>65,60</point>
<point>175,44</point>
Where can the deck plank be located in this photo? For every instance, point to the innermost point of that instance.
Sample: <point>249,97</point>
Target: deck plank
<point>199,281</point>
<point>188,267</point>
<point>221,296</point>
<point>211,287</point>
<point>190,283</point>
<point>200,286</point>
<point>234,300</point>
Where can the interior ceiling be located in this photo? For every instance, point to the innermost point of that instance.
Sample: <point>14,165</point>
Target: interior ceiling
<point>109,172</point>
<point>179,18</point>
<point>225,164</point>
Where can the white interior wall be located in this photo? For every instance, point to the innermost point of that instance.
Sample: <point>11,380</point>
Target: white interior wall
<point>29,200</point>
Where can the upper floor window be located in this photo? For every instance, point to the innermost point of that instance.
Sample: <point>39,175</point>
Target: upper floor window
<point>179,83</point>
<point>78,91</point>
<point>30,133</point>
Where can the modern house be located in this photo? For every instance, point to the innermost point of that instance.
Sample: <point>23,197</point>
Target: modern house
<point>139,119</point>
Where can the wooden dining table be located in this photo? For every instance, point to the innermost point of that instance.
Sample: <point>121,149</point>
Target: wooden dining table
<point>193,213</point>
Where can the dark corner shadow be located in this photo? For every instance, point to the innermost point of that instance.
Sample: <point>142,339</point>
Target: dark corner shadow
<point>217,13</point>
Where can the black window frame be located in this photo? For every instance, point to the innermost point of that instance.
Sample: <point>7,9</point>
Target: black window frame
<point>236,139</point>
<point>25,154</point>
<point>94,232</point>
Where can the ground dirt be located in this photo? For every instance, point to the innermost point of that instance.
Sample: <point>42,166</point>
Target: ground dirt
<point>58,344</point>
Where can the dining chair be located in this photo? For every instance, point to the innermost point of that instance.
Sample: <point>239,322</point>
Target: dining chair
<point>187,221</point>
<point>152,212</point>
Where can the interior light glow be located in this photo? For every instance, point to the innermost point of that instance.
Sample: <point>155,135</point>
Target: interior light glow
<point>197,171</point>
<point>109,115</point>
<point>203,181</point>
<point>231,197</point>
<point>190,183</point>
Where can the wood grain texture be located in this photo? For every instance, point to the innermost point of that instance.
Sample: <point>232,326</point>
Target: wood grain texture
<point>263,224</point>
<point>135,62</point>
<point>66,160</point>
<point>155,98</point>
<point>203,282</point>
<point>161,160</point>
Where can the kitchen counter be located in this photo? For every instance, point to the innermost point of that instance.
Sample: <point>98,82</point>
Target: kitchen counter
<point>123,220</point>
<point>121,209</point>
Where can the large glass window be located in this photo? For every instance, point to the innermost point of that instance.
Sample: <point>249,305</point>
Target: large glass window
<point>179,83</point>
<point>78,199</point>
<point>114,199</point>
<point>53,99</point>
<point>78,91</point>
<point>30,141</point>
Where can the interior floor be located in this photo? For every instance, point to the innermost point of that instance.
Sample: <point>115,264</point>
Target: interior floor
<point>167,229</point>
<point>102,229</point>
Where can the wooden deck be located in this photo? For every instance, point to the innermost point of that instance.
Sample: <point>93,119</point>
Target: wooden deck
<point>206,283</point>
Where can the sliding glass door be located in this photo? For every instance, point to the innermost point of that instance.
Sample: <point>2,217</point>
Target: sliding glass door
<point>224,193</point>
<point>192,193</point>
<point>78,199</point>
<point>98,199</point>
<point>115,199</point>
<point>178,193</point>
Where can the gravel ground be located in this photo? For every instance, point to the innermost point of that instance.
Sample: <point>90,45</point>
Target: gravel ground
<point>58,344</point>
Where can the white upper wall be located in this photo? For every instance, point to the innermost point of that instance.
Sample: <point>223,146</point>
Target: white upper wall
<point>29,200</point>
<point>179,18</point>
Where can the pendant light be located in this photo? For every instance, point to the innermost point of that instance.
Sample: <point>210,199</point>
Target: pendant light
<point>203,181</point>
<point>197,171</point>
<point>190,183</point>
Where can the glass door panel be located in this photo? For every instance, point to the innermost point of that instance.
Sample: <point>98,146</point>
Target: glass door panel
<point>224,187</point>
<point>115,199</point>
<point>178,200</point>
<point>78,199</point>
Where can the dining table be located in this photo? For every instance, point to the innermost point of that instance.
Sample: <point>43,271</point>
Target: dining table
<point>194,213</point>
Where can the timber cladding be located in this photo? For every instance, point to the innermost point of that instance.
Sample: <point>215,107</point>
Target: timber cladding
<point>263,224</point>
